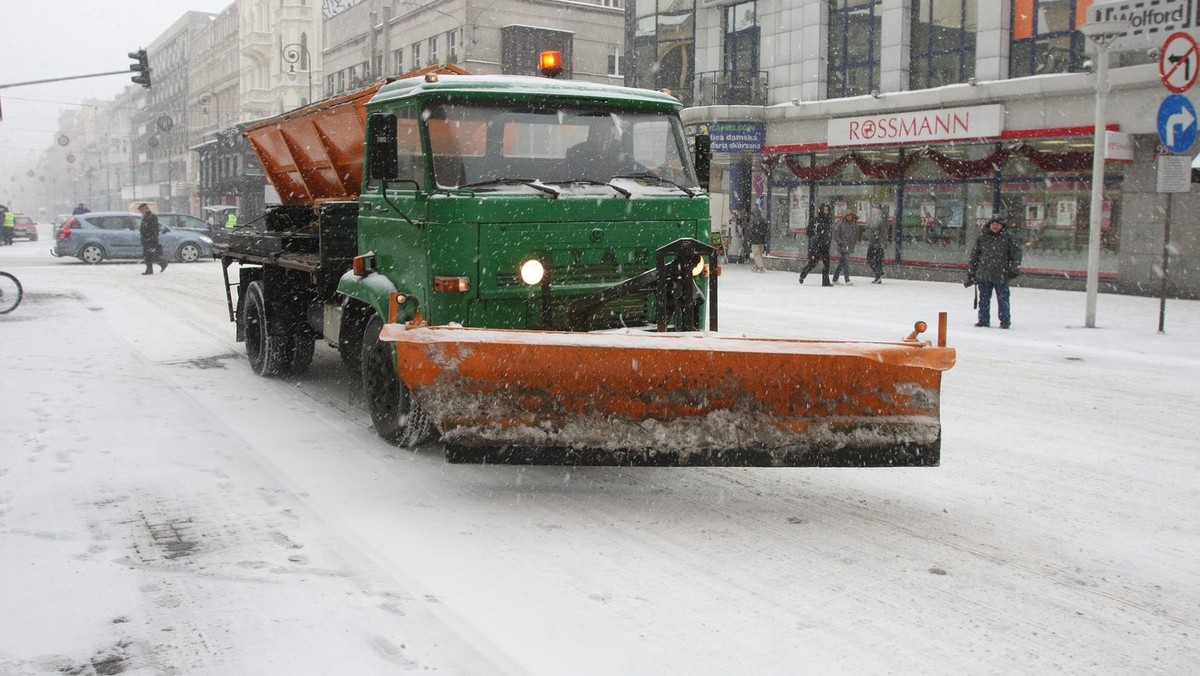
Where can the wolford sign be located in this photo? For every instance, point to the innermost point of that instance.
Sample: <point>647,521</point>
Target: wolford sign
<point>925,126</point>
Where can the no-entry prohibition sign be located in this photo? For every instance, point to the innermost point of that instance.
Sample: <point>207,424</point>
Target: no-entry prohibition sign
<point>1179,62</point>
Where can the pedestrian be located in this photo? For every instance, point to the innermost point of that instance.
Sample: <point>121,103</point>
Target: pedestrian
<point>846,237</point>
<point>9,225</point>
<point>151,250</point>
<point>758,238</point>
<point>819,238</point>
<point>876,236</point>
<point>995,261</point>
<point>80,209</point>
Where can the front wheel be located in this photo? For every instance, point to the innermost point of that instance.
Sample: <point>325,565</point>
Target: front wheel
<point>395,415</point>
<point>10,293</point>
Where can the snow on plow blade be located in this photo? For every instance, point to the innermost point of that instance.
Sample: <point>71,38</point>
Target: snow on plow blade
<point>523,397</point>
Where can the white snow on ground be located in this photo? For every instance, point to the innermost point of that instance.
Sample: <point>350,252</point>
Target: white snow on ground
<point>164,511</point>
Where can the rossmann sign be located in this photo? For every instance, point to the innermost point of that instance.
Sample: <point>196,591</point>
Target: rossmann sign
<point>924,126</point>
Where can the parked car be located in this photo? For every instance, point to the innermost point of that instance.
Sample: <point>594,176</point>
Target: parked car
<point>101,235</point>
<point>58,222</point>
<point>213,231</point>
<point>25,228</point>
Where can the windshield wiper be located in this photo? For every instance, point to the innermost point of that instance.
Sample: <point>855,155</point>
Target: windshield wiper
<point>647,176</point>
<point>529,182</point>
<point>588,181</point>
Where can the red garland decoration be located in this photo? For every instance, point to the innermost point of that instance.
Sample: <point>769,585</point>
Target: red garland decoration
<point>1072,160</point>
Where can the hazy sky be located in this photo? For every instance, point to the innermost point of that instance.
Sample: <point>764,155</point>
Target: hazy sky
<point>65,38</point>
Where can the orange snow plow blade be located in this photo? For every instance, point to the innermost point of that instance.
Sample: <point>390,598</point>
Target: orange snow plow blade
<point>523,397</point>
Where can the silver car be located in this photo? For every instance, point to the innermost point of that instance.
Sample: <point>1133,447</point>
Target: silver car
<point>101,235</point>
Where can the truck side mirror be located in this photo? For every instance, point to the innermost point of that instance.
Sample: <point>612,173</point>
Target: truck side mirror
<point>703,161</point>
<point>381,147</point>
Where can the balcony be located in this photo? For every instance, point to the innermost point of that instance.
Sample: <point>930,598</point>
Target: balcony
<point>732,88</point>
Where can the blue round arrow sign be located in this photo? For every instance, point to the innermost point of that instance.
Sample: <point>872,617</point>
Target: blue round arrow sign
<point>1177,123</point>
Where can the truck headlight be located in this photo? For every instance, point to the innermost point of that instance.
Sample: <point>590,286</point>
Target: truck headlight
<point>532,272</point>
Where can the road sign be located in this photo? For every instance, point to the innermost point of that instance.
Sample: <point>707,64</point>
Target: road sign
<point>1179,62</point>
<point>1174,173</point>
<point>1177,123</point>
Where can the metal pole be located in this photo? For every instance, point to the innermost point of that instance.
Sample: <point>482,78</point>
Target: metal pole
<point>1097,204</point>
<point>1162,296</point>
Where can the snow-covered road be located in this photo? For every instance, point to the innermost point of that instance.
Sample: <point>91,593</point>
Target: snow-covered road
<point>164,511</point>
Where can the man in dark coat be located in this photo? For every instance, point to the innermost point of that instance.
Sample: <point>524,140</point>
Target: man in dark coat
<point>820,236</point>
<point>995,261</point>
<point>759,231</point>
<point>876,236</point>
<point>151,250</point>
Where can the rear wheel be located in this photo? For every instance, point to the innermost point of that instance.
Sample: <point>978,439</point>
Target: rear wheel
<point>91,254</point>
<point>300,354</point>
<point>396,416</point>
<point>189,253</point>
<point>269,355</point>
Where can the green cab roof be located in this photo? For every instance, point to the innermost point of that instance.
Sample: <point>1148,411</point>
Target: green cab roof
<point>519,87</point>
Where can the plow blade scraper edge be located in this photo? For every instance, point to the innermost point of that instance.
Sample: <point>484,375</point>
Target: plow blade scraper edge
<point>632,398</point>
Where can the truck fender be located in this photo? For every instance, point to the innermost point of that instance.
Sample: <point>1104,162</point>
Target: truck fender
<point>372,290</point>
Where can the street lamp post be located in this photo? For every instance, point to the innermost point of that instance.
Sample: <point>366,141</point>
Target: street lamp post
<point>1102,34</point>
<point>291,55</point>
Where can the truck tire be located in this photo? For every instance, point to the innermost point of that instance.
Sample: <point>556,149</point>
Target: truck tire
<point>269,355</point>
<point>395,415</point>
<point>300,354</point>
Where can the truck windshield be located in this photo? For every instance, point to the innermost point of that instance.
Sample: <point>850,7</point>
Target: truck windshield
<point>480,145</point>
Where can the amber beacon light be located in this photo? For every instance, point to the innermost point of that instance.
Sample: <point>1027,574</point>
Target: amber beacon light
<point>551,63</point>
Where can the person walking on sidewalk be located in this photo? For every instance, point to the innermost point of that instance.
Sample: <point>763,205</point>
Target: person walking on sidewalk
<point>846,236</point>
<point>151,250</point>
<point>819,237</point>
<point>758,238</point>
<point>995,261</point>
<point>876,236</point>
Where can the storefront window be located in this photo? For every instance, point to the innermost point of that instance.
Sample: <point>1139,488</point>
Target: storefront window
<point>854,37</point>
<point>1044,37</point>
<point>935,200</point>
<point>943,42</point>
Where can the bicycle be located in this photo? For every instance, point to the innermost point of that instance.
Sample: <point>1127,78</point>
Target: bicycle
<point>10,293</point>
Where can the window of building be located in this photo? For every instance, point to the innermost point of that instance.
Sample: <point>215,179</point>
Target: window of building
<point>611,3</point>
<point>943,42</point>
<point>398,61</point>
<point>854,35</point>
<point>416,55</point>
<point>663,52</point>
<point>452,47</point>
<point>614,59</point>
<point>1044,39</point>
<point>741,53</point>
<point>433,50</point>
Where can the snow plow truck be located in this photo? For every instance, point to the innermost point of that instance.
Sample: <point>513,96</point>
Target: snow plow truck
<point>518,268</point>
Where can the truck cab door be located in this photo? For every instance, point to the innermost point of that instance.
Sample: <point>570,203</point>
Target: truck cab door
<point>393,203</point>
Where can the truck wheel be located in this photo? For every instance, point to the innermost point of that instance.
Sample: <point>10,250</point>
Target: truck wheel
<point>395,415</point>
<point>300,349</point>
<point>268,354</point>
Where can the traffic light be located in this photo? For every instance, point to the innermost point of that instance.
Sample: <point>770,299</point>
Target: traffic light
<point>141,68</point>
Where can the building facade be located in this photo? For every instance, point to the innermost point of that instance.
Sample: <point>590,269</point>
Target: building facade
<point>937,114</point>
<point>369,40</point>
